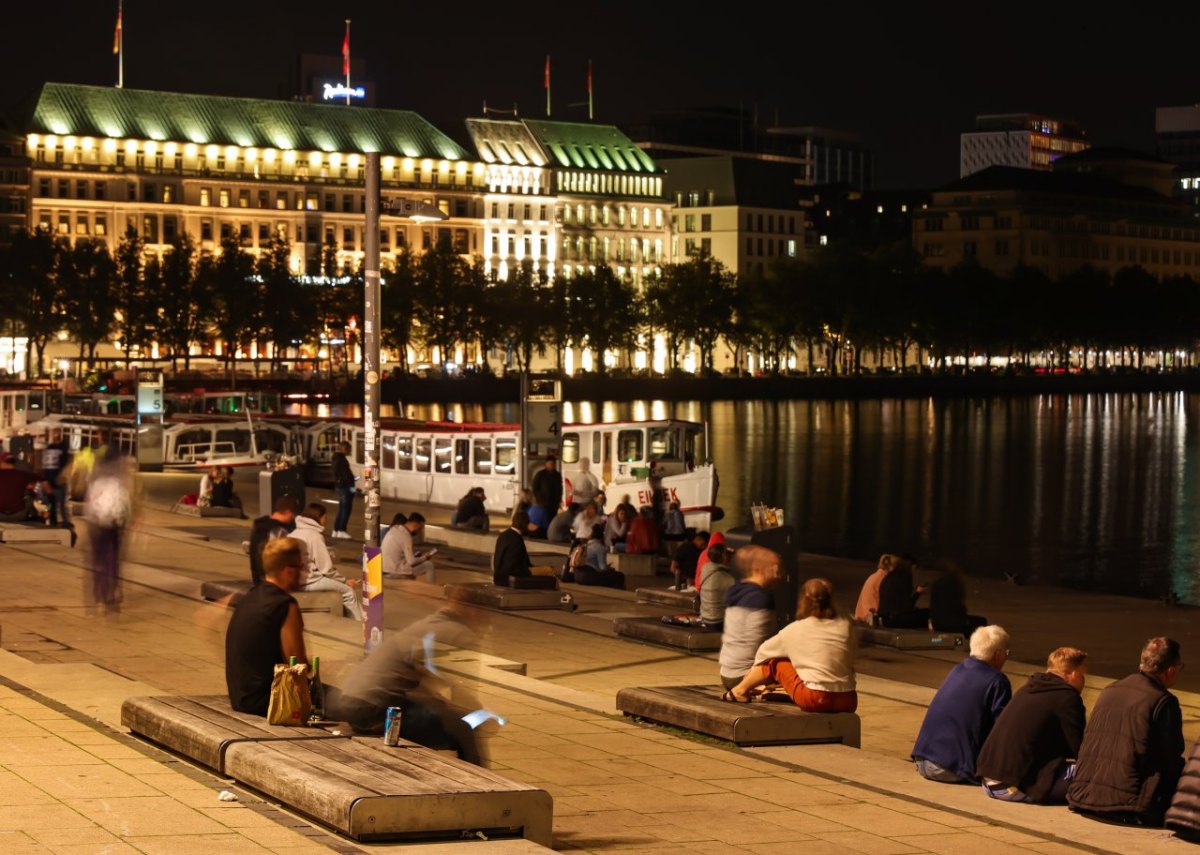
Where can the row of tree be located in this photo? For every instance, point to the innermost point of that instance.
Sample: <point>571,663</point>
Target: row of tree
<point>836,306</point>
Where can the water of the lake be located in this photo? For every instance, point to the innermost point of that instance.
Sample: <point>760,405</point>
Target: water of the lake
<point>1098,491</point>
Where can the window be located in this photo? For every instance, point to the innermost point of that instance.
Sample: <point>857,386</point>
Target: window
<point>462,453</point>
<point>706,222</point>
<point>347,203</point>
<point>348,238</point>
<point>705,247</point>
<point>224,198</point>
<point>506,456</point>
<point>81,189</point>
<point>1001,247</point>
<point>629,446</point>
<point>226,231</point>
<point>404,453</point>
<point>130,192</point>
<point>168,195</point>
<point>150,228</point>
<point>281,200</point>
<point>424,455</point>
<point>483,456</point>
<point>329,204</point>
<point>749,246</point>
<point>570,448</point>
<point>689,223</point>
<point>81,224</point>
<point>388,461</point>
<point>169,231</point>
<point>264,199</point>
<point>206,230</point>
<point>64,224</point>
<point>101,225</point>
<point>264,234</point>
<point>44,187</point>
<point>664,444</point>
<point>969,249</point>
<point>443,451</point>
<point>243,198</point>
<point>460,208</point>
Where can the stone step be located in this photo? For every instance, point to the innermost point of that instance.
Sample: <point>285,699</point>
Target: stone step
<point>691,639</point>
<point>509,599</point>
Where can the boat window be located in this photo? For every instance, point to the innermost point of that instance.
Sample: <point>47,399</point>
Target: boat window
<point>597,457</point>
<point>483,456</point>
<point>232,439</point>
<point>629,446</point>
<point>404,453</point>
<point>191,443</point>
<point>270,440</point>
<point>506,456</point>
<point>570,448</point>
<point>664,443</point>
<point>693,445</point>
<point>462,457</point>
<point>424,453</point>
<point>443,449</point>
<point>389,451</point>
<point>360,448</point>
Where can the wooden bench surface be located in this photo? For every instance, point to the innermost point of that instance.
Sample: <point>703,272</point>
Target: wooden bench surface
<point>18,532</point>
<point>684,601</point>
<point>909,639</point>
<point>356,785</point>
<point>773,722</point>
<point>508,599</point>
<point>689,638</point>
<point>232,591</point>
<point>203,727</point>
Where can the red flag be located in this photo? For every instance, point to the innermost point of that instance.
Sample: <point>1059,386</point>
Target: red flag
<point>547,71</point>
<point>346,51</point>
<point>117,34</point>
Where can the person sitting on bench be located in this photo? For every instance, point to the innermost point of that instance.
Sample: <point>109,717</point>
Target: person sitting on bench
<point>595,571</point>
<point>642,538</point>
<point>749,612</point>
<point>868,598</point>
<point>266,628</point>
<point>511,558</point>
<point>715,580</point>
<point>471,512</point>
<point>898,599</point>
<point>812,658</point>
<point>948,603</point>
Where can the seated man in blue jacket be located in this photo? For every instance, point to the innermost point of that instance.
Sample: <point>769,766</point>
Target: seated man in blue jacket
<point>964,710</point>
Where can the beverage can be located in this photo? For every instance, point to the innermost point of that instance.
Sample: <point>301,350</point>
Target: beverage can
<point>391,726</point>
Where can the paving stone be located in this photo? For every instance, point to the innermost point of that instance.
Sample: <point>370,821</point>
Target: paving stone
<point>956,843</point>
<point>146,817</point>
<point>867,843</point>
<point>79,782</point>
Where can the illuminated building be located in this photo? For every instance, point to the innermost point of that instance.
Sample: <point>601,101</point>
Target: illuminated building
<point>1178,131</point>
<point>583,195</point>
<point>1024,140</point>
<point>1108,208</point>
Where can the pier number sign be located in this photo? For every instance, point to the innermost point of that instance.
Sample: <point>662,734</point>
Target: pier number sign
<point>542,413</point>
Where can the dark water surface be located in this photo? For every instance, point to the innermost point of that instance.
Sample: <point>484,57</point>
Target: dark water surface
<point>1097,491</point>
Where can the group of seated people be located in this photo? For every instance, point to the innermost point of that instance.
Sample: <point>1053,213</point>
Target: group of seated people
<point>889,598</point>
<point>1038,746</point>
<point>216,489</point>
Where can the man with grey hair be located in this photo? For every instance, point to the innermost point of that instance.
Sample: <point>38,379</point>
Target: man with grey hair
<point>1132,752</point>
<point>963,711</point>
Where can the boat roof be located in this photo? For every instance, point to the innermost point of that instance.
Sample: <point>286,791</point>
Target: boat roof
<point>419,425</point>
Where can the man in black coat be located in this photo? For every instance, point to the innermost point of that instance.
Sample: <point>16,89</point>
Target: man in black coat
<point>1029,756</point>
<point>280,523</point>
<point>1132,753</point>
<point>548,487</point>
<point>511,558</point>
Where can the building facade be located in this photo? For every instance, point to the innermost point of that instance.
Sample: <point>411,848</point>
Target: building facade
<point>1022,140</point>
<point>1108,208</point>
<point>1178,140</point>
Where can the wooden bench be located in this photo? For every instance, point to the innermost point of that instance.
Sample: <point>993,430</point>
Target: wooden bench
<point>34,533</point>
<point>508,599</point>
<point>689,638</point>
<point>683,601</point>
<point>776,721</point>
<point>231,591</point>
<point>909,639</point>
<point>472,540</point>
<point>355,785</point>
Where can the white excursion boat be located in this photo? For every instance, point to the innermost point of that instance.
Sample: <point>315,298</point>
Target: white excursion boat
<point>654,462</point>
<point>22,406</point>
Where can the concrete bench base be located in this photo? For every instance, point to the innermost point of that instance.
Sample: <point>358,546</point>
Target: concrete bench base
<point>508,599</point>
<point>682,601</point>
<point>355,785</point>
<point>652,629</point>
<point>633,565</point>
<point>772,722</point>
<point>34,533</point>
<point>231,593</point>
<point>471,540</point>
<point>203,728</point>
<point>909,639</point>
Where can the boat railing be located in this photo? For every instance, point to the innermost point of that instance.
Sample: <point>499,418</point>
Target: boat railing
<point>206,450</point>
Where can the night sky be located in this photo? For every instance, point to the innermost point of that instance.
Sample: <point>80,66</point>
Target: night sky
<point>908,77</point>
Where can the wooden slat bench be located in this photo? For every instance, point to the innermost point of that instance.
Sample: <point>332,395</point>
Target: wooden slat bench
<point>652,629</point>
<point>230,592</point>
<point>202,728</point>
<point>683,601</point>
<point>355,785</point>
<point>909,639</point>
<point>508,599</point>
<point>633,565</point>
<point>34,533</point>
<point>770,722</point>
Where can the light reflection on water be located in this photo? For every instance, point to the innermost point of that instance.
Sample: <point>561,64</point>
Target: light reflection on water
<point>1098,491</point>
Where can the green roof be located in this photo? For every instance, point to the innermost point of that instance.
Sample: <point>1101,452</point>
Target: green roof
<point>64,108</point>
<point>578,145</point>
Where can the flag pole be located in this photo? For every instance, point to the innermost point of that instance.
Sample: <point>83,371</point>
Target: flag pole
<point>120,45</point>
<point>547,86</point>
<point>591,112</point>
<point>346,62</point>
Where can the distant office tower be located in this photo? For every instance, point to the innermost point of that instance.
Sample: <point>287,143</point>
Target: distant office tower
<point>1025,140</point>
<point>1178,130</point>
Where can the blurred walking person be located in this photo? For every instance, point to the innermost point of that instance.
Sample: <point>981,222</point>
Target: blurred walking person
<point>108,507</point>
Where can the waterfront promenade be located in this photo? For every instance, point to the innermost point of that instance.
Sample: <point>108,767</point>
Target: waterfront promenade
<point>72,782</point>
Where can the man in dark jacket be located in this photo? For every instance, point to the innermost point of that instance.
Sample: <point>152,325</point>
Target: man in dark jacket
<point>548,486</point>
<point>280,523</point>
<point>343,488</point>
<point>1132,751</point>
<point>964,710</point>
<point>471,512</point>
<point>1030,754</point>
<point>511,558</point>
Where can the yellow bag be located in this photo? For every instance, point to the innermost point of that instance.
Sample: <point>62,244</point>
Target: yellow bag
<point>290,700</point>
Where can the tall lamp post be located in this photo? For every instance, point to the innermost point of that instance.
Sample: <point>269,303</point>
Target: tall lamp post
<point>371,368</point>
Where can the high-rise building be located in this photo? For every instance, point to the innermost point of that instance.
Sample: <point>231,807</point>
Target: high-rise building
<point>14,182</point>
<point>1178,132</point>
<point>1024,140</point>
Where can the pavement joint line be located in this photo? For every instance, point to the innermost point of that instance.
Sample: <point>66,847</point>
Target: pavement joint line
<point>248,798</point>
<point>602,668</point>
